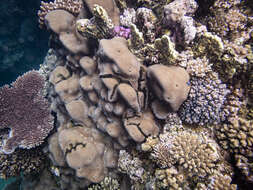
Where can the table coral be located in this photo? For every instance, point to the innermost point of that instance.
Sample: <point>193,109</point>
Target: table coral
<point>26,112</point>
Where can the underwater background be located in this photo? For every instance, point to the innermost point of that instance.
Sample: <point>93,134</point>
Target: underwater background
<point>23,45</point>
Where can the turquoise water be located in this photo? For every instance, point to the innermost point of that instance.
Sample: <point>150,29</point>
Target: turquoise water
<point>5,182</point>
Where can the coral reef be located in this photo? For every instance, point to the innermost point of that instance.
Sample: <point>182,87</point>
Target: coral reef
<point>177,15</point>
<point>236,136</point>
<point>109,93</point>
<point>132,166</point>
<point>26,112</point>
<point>195,154</point>
<point>205,101</point>
<point>227,20</point>
<point>28,162</point>
<point>148,95</point>
<point>72,6</point>
<point>107,184</point>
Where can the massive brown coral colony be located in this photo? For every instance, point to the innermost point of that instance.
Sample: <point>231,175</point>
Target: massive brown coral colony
<point>165,104</point>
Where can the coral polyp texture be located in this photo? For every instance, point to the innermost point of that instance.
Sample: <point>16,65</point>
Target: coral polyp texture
<point>205,101</point>
<point>193,153</point>
<point>72,6</point>
<point>236,136</point>
<point>26,112</point>
<point>144,94</point>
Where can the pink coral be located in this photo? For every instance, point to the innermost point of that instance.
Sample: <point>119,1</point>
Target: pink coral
<point>120,31</point>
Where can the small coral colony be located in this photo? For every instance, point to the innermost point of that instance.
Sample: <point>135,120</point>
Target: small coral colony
<point>135,94</point>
